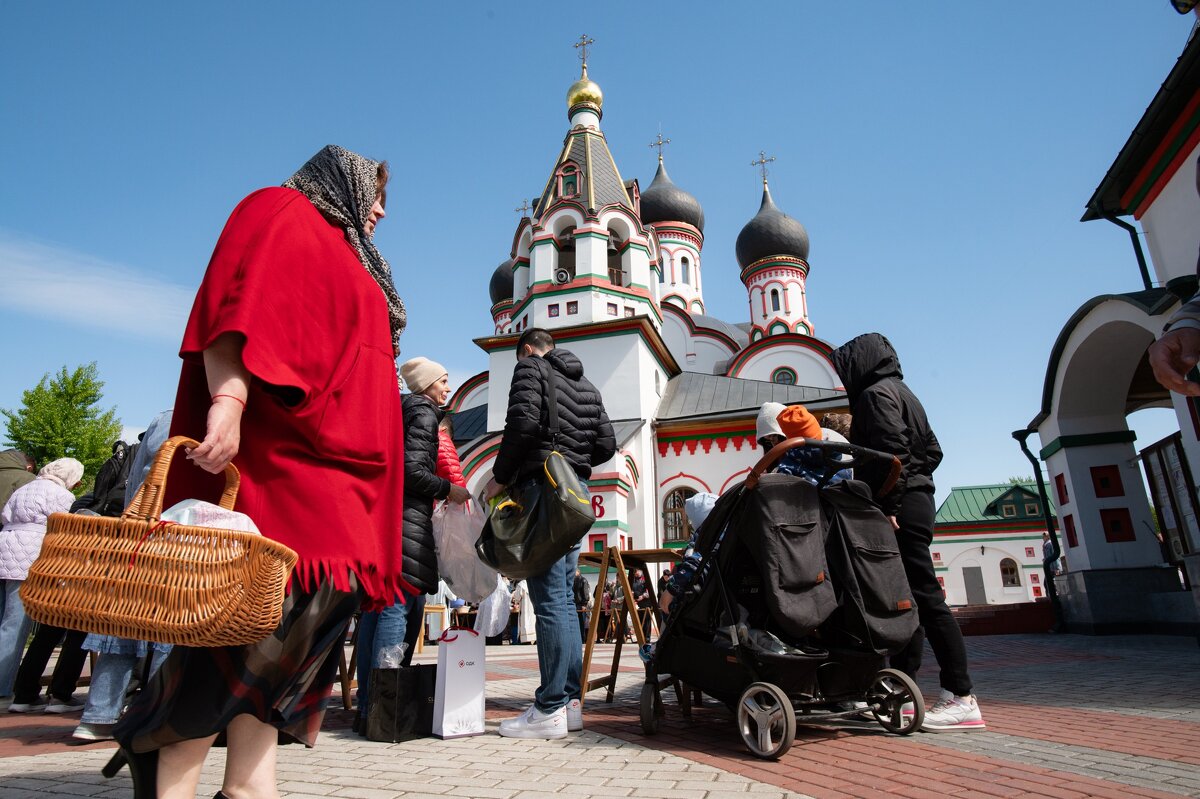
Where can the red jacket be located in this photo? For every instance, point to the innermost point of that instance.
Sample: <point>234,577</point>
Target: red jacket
<point>448,465</point>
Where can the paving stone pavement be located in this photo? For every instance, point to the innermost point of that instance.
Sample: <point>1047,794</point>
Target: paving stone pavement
<point>1068,716</point>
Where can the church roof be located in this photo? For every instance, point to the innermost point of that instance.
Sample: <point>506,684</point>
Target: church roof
<point>469,424</point>
<point>600,183</point>
<point>692,394</point>
<point>770,233</point>
<point>501,286</point>
<point>663,201</point>
<point>978,503</point>
<point>735,332</point>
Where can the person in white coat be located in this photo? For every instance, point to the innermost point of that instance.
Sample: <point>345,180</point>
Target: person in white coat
<point>24,517</point>
<point>526,619</point>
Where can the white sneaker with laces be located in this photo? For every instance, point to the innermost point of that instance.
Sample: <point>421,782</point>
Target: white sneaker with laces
<point>535,724</point>
<point>954,714</point>
<point>36,706</point>
<point>89,731</point>
<point>71,705</point>
<point>574,716</point>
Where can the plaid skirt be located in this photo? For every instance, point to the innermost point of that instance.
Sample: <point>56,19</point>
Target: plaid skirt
<point>284,680</point>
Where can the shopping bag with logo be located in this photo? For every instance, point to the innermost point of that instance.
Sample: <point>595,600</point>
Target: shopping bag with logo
<point>458,695</point>
<point>401,706</point>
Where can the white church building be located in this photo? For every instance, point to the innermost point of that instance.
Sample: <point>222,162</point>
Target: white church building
<point>616,273</point>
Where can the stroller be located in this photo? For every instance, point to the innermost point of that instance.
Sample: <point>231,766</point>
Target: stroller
<point>799,598</point>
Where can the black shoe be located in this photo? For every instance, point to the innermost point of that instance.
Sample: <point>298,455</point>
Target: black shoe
<point>143,768</point>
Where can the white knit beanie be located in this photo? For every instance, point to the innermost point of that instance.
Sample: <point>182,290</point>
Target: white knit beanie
<point>768,421</point>
<point>64,471</point>
<point>420,373</point>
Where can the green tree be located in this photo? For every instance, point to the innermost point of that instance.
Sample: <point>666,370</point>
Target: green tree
<point>61,417</point>
<point>1016,481</point>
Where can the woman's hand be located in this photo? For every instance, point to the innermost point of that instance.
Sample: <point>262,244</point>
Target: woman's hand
<point>223,436</point>
<point>491,489</point>
<point>458,495</point>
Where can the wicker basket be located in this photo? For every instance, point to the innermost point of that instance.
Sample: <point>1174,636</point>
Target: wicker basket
<point>136,577</point>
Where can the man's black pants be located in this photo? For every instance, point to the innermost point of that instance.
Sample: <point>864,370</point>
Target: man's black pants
<point>937,624</point>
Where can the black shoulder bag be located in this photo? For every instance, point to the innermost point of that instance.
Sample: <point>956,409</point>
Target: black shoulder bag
<point>534,527</point>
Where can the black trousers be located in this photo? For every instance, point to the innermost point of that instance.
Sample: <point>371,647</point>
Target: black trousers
<point>28,685</point>
<point>937,624</point>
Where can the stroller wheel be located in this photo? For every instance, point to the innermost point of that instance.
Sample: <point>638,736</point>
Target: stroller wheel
<point>648,716</point>
<point>890,692</point>
<point>766,720</point>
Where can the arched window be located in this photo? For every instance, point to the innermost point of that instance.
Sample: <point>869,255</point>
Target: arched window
<point>568,181</point>
<point>784,376</point>
<point>774,299</point>
<point>616,260</point>
<point>1010,575</point>
<point>675,522</point>
<point>685,272</point>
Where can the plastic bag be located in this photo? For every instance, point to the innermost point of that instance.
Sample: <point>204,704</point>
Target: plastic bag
<point>492,617</point>
<point>198,513</point>
<point>455,528</point>
<point>391,657</point>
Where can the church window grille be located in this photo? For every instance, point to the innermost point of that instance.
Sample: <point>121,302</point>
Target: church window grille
<point>552,310</point>
<point>675,522</point>
<point>774,299</point>
<point>572,308</point>
<point>1010,575</point>
<point>612,309</point>
<point>629,312</point>
<point>784,376</point>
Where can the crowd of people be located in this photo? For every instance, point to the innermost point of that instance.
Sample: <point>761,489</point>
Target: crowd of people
<point>291,343</point>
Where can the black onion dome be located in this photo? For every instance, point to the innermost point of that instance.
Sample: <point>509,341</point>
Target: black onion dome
<point>663,201</point>
<point>501,287</point>
<point>771,232</point>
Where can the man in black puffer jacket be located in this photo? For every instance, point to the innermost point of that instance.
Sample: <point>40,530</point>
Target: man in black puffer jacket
<point>887,416</point>
<point>585,439</point>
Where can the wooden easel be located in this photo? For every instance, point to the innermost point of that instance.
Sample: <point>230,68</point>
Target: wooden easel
<point>615,557</point>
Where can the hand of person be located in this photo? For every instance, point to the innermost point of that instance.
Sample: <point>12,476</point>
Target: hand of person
<point>222,438</point>
<point>1173,356</point>
<point>491,489</point>
<point>458,495</point>
<point>895,524</point>
<point>664,602</point>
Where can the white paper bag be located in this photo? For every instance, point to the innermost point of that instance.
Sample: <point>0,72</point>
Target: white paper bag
<point>458,693</point>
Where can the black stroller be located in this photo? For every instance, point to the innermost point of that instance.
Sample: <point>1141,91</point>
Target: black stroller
<point>798,599</point>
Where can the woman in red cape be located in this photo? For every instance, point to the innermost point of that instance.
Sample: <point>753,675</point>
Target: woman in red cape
<point>289,372</point>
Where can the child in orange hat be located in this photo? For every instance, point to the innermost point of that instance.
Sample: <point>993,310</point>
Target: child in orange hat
<point>796,421</point>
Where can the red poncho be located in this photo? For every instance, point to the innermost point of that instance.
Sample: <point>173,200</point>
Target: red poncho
<point>321,453</point>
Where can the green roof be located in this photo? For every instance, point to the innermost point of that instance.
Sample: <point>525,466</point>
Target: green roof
<point>977,503</point>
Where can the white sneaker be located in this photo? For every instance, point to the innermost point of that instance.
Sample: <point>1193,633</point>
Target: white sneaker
<point>36,706</point>
<point>954,714</point>
<point>535,724</point>
<point>89,731</point>
<point>71,705</point>
<point>574,716</point>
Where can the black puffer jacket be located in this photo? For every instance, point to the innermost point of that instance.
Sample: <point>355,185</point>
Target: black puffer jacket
<point>887,416</point>
<point>585,436</point>
<point>421,487</point>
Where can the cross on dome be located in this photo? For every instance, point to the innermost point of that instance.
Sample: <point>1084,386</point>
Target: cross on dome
<point>582,47</point>
<point>762,162</point>
<point>660,143</point>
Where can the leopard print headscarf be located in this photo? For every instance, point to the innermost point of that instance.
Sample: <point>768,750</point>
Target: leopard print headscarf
<point>341,184</point>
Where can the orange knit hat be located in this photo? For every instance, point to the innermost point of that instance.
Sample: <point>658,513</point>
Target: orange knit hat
<point>796,421</point>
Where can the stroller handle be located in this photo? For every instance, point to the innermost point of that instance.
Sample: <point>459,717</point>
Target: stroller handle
<point>830,449</point>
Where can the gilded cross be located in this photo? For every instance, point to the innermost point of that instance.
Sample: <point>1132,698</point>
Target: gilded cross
<point>659,144</point>
<point>524,209</point>
<point>582,47</point>
<point>762,162</point>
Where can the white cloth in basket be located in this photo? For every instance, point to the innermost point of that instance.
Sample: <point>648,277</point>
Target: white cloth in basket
<point>198,513</point>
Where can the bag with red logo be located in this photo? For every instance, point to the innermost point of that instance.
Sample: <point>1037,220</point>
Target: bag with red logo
<point>458,693</point>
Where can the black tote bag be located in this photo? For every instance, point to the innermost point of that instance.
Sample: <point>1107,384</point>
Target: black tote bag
<point>401,703</point>
<point>542,519</point>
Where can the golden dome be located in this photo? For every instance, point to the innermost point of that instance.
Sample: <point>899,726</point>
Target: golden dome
<point>584,91</point>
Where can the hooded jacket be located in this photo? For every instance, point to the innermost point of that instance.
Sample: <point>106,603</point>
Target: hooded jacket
<point>585,435</point>
<point>12,473</point>
<point>24,517</point>
<point>421,487</point>
<point>448,464</point>
<point>887,416</point>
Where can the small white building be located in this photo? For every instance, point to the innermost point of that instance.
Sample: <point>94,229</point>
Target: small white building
<point>616,274</point>
<point>987,544</point>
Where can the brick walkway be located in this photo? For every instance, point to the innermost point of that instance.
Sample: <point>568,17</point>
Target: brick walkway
<point>1068,717</point>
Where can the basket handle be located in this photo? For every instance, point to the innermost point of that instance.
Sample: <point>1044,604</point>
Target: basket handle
<point>147,502</point>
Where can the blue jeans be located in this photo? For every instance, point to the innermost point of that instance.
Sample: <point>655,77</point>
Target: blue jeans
<point>559,646</point>
<point>110,681</point>
<point>14,632</point>
<point>380,629</point>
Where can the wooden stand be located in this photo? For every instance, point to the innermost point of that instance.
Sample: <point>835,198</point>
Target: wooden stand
<point>622,561</point>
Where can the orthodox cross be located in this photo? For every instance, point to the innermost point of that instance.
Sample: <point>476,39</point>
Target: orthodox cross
<point>762,162</point>
<point>582,46</point>
<point>524,209</point>
<point>659,144</point>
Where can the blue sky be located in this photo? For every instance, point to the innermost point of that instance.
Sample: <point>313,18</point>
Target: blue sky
<point>939,154</point>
